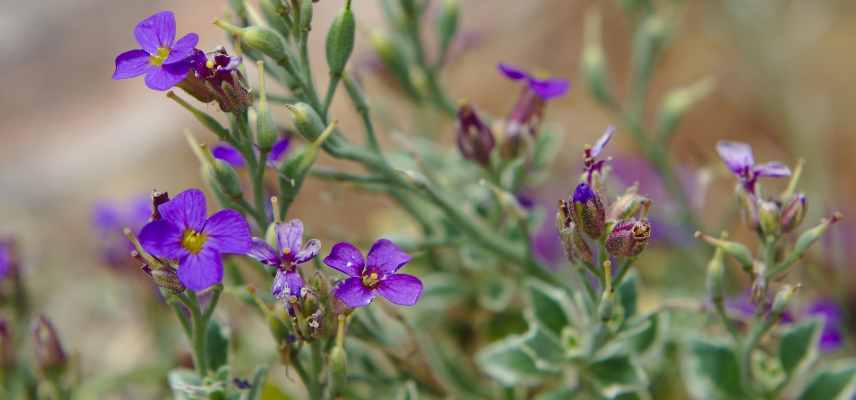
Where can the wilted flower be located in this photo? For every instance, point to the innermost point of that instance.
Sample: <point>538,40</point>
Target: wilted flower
<point>376,274</point>
<point>738,157</point>
<point>185,235</point>
<point>628,238</point>
<point>163,60</point>
<point>110,218</point>
<point>474,137</point>
<point>793,212</point>
<point>289,253</point>
<point>216,77</point>
<point>231,155</point>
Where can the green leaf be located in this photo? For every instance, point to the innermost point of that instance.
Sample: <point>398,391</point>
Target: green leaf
<point>408,392</point>
<point>511,362</point>
<point>545,348</point>
<point>216,345</point>
<point>711,371</point>
<point>835,382</point>
<point>628,294</point>
<point>496,292</point>
<point>798,346</point>
<point>258,382</point>
<point>186,385</point>
<point>562,393</point>
<point>445,362</point>
<point>617,373</point>
<point>548,306</point>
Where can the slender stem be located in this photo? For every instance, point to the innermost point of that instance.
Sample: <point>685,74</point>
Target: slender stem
<point>199,328</point>
<point>309,83</point>
<point>215,298</point>
<point>315,388</point>
<point>331,90</point>
<point>185,323</point>
<point>586,284</point>
<point>623,269</point>
<point>719,305</point>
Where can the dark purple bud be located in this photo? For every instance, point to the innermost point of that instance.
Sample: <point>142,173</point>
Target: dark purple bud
<point>628,238</point>
<point>475,139</point>
<point>158,198</point>
<point>793,212</point>
<point>587,210</point>
<point>50,357</point>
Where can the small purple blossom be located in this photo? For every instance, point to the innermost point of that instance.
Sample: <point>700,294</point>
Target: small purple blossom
<point>230,155</point>
<point>184,234</point>
<point>5,259</point>
<point>830,337</point>
<point>289,253</point>
<point>110,218</point>
<point>374,274</point>
<point>163,60</point>
<point>545,88</point>
<point>738,158</point>
<point>591,163</point>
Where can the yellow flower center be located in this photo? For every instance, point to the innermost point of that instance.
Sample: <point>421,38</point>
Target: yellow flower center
<point>193,241</point>
<point>286,251</point>
<point>371,280</point>
<point>160,56</point>
<point>209,64</point>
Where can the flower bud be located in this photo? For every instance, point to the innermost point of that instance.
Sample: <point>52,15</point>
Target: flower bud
<point>782,300</point>
<point>275,13</point>
<point>167,278</point>
<point>306,120</point>
<point>277,328</point>
<point>647,43</point>
<point>447,24</point>
<point>50,357</point>
<point>627,205</point>
<point>713,282</point>
<point>628,238</point>
<point>740,252</point>
<point>260,38</point>
<point>266,132</point>
<point>587,211</point>
<point>338,368</point>
<point>340,40</point>
<point>810,236</point>
<point>158,198</point>
<point>793,213</point>
<point>306,15</point>
<point>475,139</point>
<point>594,60</point>
<point>394,60</point>
<point>226,178</point>
<point>749,210</point>
<point>768,217</point>
<point>678,102</point>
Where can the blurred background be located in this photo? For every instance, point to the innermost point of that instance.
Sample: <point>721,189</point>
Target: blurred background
<point>72,138</point>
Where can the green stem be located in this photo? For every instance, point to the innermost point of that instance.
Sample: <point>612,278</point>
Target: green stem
<point>315,387</point>
<point>198,331</point>
<point>331,90</point>
<point>719,305</point>
<point>185,323</point>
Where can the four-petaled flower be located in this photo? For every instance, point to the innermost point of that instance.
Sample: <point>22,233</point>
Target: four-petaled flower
<point>591,163</point>
<point>289,253</point>
<point>163,60</point>
<point>376,274</point>
<point>545,88</point>
<point>184,234</point>
<point>233,157</point>
<point>738,157</point>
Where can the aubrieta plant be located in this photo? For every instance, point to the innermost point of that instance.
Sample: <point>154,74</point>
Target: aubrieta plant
<point>478,314</point>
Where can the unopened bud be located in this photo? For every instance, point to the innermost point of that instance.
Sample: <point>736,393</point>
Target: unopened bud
<point>306,120</point>
<point>226,178</point>
<point>277,328</point>
<point>167,278</point>
<point>793,212</point>
<point>810,236</point>
<point>627,205</point>
<point>768,217</point>
<point>604,309</point>
<point>628,238</point>
<point>474,137</point>
<point>260,38</point>
<point>749,210</point>
<point>158,198</point>
<point>594,60</point>
<point>713,282</point>
<point>447,23</point>
<point>340,40</point>
<point>266,132</point>
<point>587,211</point>
<point>275,13</point>
<point>740,252</point>
<point>50,356</point>
<point>678,102</point>
<point>783,299</point>
<point>338,368</point>
<point>647,44</point>
<point>393,59</point>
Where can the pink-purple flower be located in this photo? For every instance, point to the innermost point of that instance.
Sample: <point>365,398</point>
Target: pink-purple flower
<point>162,59</point>
<point>290,252</point>
<point>185,235</point>
<point>738,158</point>
<point>230,155</point>
<point>373,275</point>
<point>546,88</point>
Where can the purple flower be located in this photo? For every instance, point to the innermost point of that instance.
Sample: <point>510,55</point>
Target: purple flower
<point>5,259</point>
<point>738,157</point>
<point>110,218</point>
<point>830,337</point>
<point>216,77</point>
<point>289,253</point>
<point>591,163</point>
<point>162,59</point>
<point>474,137</point>
<point>185,235</point>
<point>546,88</point>
<point>233,157</point>
<point>376,274</point>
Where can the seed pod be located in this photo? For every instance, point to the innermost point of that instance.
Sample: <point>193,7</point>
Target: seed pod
<point>768,217</point>
<point>604,309</point>
<point>628,238</point>
<point>340,40</point>
<point>740,252</point>
<point>678,102</point>
<point>810,236</point>
<point>587,211</point>
<point>226,178</point>
<point>713,282</point>
<point>266,132</point>
<point>167,278</point>
<point>338,368</point>
<point>793,213</point>
<point>647,44</point>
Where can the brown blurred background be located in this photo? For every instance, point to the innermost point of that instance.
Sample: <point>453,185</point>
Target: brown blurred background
<point>71,136</point>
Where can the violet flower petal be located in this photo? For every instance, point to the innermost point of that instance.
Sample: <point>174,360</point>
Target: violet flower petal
<point>830,339</point>
<point>353,293</point>
<point>512,72</point>
<point>132,63</point>
<point>106,217</point>
<point>287,283</point>
<point>167,76</point>
<point>186,210</point>
<point>278,149</point>
<point>386,256</point>
<point>156,31</point>
<point>290,236</point>
<point>228,154</point>
<point>345,258</point>
<point>5,260</point>
<point>228,232</point>
<point>309,251</point>
<point>549,88</point>
<point>263,253</point>
<point>401,289</point>
<point>162,238</point>
<point>772,169</point>
<point>602,141</point>
<point>201,270</point>
<point>737,156</point>
<point>182,49</point>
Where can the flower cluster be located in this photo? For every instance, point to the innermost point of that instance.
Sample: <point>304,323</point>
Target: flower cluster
<point>583,220</point>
